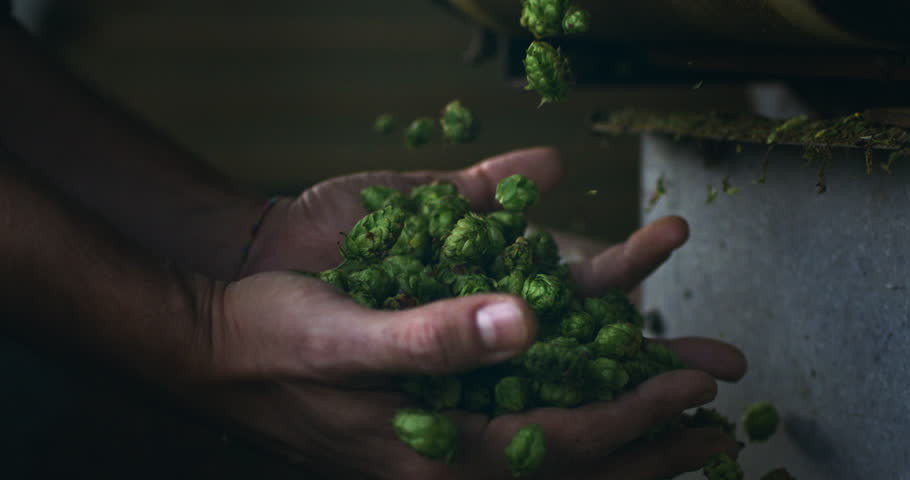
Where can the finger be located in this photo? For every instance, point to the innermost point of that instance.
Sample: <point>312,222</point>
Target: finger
<point>574,248</point>
<point>478,182</point>
<point>672,454</point>
<point>449,335</point>
<point>589,431</point>
<point>626,264</point>
<point>720,359</point>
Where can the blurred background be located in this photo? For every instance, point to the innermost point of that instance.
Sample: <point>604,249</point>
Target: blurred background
<point>282,94</point>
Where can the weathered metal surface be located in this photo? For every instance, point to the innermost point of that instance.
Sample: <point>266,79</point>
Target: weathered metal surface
<point>814,288</point>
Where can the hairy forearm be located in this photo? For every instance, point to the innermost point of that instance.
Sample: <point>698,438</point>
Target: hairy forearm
<point>155,192</point>
<point>74,288</point>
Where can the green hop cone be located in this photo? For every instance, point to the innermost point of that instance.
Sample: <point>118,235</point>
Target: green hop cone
<point>512,224</point>
<point>422,194</point>
<point>518,256</point>
<point>432,435</point>
<point>511,394</point>
<point>659,354</point>
<point>398,266</point>
<point>543,246</point>
<point>618,340</point>
<point>402,301</point>
<point>527,450</point>
<point>473,284</point>
<point>335,278</point>
<point>547,72</point>
<point>516,193</point>
<point>414,240</point>
<point>384,124</point>
<point>778,474</point>
<point>511,283</point>
<point>418,132</point>
<point>423,286</point>
<point>578,325</point>
<point>372,281</point>
<point>374,234</point>
<point>760,421</point>
<point>608,374</point>
<point>364,299</point>
<point>546,294</point>
<point>458,123</point>
<point>562,395</point>
<point>377,197</point>
<point>722,467</point>
<point>576,21</point>
<point>614,307</point>
<point>469,240</point>
<point>554,360</point>
<point>543,18</point>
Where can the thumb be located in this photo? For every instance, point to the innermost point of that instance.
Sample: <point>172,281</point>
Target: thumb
<point>451,335</point>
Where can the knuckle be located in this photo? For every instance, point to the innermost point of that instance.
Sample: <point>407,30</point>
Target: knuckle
<point>426,345</point>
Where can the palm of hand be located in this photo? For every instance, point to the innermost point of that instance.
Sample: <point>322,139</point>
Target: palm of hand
<point>329,365</point>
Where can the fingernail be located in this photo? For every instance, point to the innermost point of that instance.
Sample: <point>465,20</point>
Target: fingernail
<point>501,327</point>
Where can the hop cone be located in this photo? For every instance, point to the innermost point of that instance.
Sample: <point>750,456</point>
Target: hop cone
<point>398,266</point>
<point>374,234</point>
<point>543,18</point>
<point>511,395</point>
<point>335,278</point>
<point>543,246</point>
<point>722,467</point>
<point>516,193</point>
<point>418,132</point>
<point>384,124</point>
<point>608,374</point>
<point>469,240</point>
<point>561,395</point>
<point>432,435</point>
<point>614,307</point>
<point>511,283</point>
<point>414,240</point>
<point>377,197</point>
<point>527,450</point>
<point>760,421</point>
<point>512,224</point>
<point>547,72</point>
<point>618,340</point>
<point>372,281</point>
<point>458,123</point>
<point>518,256</point>
<point>423,193</point>
<point>576,21</point>
<point>546,294</point>
<point>554,360</point>
<point>578,325</point>
<point>472,284</point>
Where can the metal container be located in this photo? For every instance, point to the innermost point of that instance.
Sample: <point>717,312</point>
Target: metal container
<point>814,288</point>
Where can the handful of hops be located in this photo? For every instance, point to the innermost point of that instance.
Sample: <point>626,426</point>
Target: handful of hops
<point>426,245</point>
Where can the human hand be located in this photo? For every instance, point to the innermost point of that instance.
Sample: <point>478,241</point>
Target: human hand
<point>319,369</point>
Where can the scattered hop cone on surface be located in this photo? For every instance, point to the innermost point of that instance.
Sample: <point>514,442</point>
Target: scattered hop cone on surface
<point>374,234</point>
<point>543,18</point>
<point>547,72</point>
<point>432,435</point>
<point>760,421</point>
<point>575,21</point>
<point>458,123</point>
<point>527,450</point>
<point>618,340</point>
<point>516,193</point>
<point>778,474</point>
<point>384,124</point>
<point>418,132</point>
<point>722,467</point>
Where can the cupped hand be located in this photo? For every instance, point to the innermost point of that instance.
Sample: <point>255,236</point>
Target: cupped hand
<point>303,368</point>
